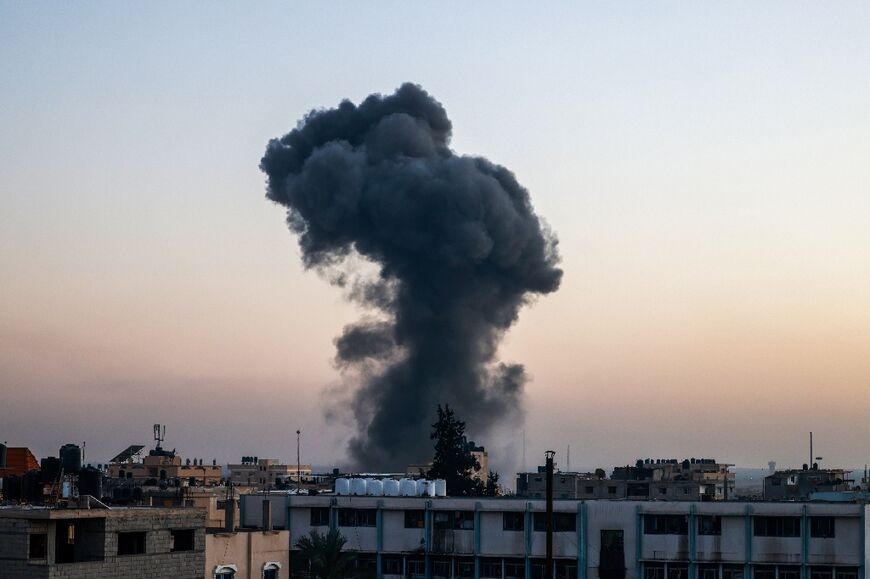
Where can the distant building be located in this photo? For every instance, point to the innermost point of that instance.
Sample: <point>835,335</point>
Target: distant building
<point>101,543</point>
<point>247,553</point>
<point>669,479</point>
<point>799,484</point>
<point>266,472</point>
<point>478,452</point>
<point>19,460</point>
<point>162,464</point>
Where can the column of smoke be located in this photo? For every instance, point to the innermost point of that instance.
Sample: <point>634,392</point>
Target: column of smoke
<point>458,250</point>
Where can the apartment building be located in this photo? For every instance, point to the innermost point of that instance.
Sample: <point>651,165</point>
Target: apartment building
<point>266,472</point>
<point>79,543</point>
<point>799,484</point>
<point>501,538</point>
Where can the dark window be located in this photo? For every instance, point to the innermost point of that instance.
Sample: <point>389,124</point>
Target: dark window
<point>777,527</point>
<point>270,573</point>
<point>732,571</point>
<point>709,525</point>
<point>415,568</point>
<point>611,490</point>
<point>441,568</point>
<point>789,572</point>
<point>414,519</point>
<point>678,571</point>
<point>464,568</point>
<point>665,525</point>
<point>764,572</point>
<point>319,516</point>
<point>590,490</point>
<point>221,505</point>
<point>490,568</point>
<point>822,527</point>
<point>663,490</point>
<point>653,571</point>
<point>357,517</point>
<point>181,540</point>
<point>611,557</point>
<point>847,573</point>
<point>821,573</point>
<point>38,546</point>
<point>224,573</point>
<point>131,543</point>
<point>562,522</point>
<point>392,565</point>
<point>565,568</point>
<point>463,520</point>
<point>512,521</point>
<point>685,492</point>
<point>514,569</point>
<point>708,572</point>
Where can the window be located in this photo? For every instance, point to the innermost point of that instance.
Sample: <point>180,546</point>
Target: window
<point>490,568</point>
<point>465,568</point>
<point>821,573</point>
<point>392,565</point>
<point>513,521</point>
<point>663,490</point>
<point>441,568</point>
<point>181,540</point>
<point>709,525</point>
<point>357,517</point>
<point>416,568</point>
<point>678,571</point>
<point>708,572</point>
<point>131,543</point>
<point>822,527</point>
<point>611,490</point>
<point>414,519</point>
<point>514,569</point>
<point>38,546</point>
<point>847,573</point>
<point>732,571</point>
<point>789,572</point>
<point>764,572</point>
<point>463,520</point>
<point>319,516</point>
<point>653,571</point>
<point>565,568</point>
<point>590,490</point>
<point>562,522</point>
<point>665,525</point>
<point>225,572</point>
<point>685,490</point>
<point>777,527</point>
<point>271,570</point>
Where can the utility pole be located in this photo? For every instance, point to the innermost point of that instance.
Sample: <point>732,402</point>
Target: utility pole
<point>298,461</point>
<point>549,528</point>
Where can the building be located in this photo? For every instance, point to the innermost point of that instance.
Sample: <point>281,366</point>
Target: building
<point>80,543</point>
<point>798,484</point>
<point>260,553</point>
<point>162,464</point>
<point>478,452</point>
<point>266,472</point>
<point>669,479</point>
<point>504,538</point>
<point>19,460</point>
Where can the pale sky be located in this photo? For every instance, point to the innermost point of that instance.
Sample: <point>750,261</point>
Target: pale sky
<point>705,166</point>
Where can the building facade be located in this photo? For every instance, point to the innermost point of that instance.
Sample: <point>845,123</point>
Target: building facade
<point>101,543</point>
<point>798,484</point>
<point>266,473</point>
<point>247,554</point>
<point>504,538</point>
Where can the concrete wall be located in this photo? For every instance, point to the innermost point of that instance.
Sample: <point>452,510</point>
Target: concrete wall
<point>248,551</point>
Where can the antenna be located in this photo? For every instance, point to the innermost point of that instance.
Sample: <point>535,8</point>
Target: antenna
<point>811,450</point>
<point>158,435</point>
<point>524,451</point>
<point>298,461</point>
<point>568,458</point>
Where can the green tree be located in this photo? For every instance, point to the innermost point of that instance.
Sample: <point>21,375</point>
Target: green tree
<point>492,487</point>
<point>326,554</point>
<point>453,460</point>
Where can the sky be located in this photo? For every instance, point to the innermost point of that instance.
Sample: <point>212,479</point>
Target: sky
<point>704,166</point>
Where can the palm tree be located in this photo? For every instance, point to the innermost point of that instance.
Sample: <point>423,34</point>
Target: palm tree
<point>326,554</point>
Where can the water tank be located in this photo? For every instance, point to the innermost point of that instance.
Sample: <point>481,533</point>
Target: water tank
<point>357,486</point>
<point>407,488</point>
<point>440,487</point>
<point>342,486</point>
<point>425,488</point>
<point>71,458</point>
<point>374,488</point>
<point>2,455</point>
<point>391,487</point>
<point>91,482</point>
<point>50,467</point>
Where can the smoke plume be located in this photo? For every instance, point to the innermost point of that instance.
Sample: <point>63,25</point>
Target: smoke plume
<point>458,250</point>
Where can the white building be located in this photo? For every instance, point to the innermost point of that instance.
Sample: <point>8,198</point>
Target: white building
<point>504,538</point>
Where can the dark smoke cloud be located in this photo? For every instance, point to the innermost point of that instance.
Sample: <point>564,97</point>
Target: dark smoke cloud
<point>458,249</point>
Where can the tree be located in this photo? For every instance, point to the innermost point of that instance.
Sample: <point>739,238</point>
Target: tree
<point>326,554</point>
<point>492,487</point>
<point>453,460</point>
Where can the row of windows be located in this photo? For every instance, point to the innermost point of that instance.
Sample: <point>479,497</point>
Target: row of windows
<point>680,570</point>
<point>129,542</point>
<point>463,567</point>
<point>820,527</point>
<point>762,526</point>
<point>270,571</point>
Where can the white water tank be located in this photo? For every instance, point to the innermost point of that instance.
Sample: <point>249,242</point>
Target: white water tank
<point>357,486</point>
<point>440,487</point>
<point>425,488</point>
<point>342,486</point>
<point>374,488</point>
<point>407,488</point>
<point>391,487</point>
